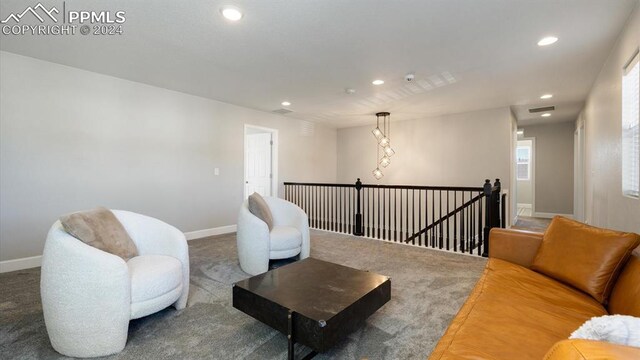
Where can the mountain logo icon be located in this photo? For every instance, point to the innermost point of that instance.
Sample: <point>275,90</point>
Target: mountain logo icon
<point>34,12</point>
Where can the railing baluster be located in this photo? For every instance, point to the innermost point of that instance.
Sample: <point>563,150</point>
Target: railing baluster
<point>378,221</point>
<point>462,220</point>
<point>406,223</point>
<point>447,236</point>
<point>395,215</point>
<point>413,214</point>
<point>469,228</point>
<point>420,216</point>
<point>368,213</point>
<point>455,223</point>
<point>440,235</point>
<point>384,216</point>
<point>339,207</point>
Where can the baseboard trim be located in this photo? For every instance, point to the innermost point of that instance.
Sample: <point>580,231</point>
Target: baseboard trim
<point>550,215</point>
<point>20,264</point>
<point>36,261</point>
<point>220,230</point>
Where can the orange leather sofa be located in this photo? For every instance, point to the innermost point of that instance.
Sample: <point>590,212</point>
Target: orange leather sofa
<point>516,313</point>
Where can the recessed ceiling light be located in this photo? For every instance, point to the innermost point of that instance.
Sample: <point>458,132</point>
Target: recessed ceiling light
<point>285,103</point>
<point>547,40</point>
<point>377,82</point>
<point>546,96</point>
<point>545,115</point>
<point>231,13</point>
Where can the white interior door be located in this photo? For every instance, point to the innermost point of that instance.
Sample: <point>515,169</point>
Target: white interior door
<point>258,164</point>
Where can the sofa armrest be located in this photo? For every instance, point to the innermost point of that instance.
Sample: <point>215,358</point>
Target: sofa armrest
<point>516,246</point>
<point>590,350</point>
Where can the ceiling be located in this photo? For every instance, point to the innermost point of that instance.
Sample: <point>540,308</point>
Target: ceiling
<point>466,54</point>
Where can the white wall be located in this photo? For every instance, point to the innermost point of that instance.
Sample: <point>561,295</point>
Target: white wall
<point>553,171</point>
<point>605,204</point>
<point>72,139</point>
<point>457,150</point>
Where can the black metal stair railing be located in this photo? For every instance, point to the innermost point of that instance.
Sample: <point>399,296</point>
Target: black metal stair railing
<point>444,217</point>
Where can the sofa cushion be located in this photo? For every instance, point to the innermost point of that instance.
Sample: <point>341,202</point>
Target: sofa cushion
<point>259,208</point>
<point>153,276</point>
<point>101,229</point>
<point>584,256</point>
<point>514,313</point>
<point>625,297</point>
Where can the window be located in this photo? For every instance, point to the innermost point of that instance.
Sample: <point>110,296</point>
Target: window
<point>523,160</point>
<point>631,129</point>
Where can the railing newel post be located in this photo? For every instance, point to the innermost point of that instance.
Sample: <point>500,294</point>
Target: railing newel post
<point>358,231</point>
<point>487,189</point>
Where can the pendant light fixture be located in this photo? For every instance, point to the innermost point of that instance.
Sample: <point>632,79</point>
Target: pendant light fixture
<point>384,142</point>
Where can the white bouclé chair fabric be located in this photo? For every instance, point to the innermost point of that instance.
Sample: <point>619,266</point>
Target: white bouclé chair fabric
<point>288,238</point>
<point>89,296</point>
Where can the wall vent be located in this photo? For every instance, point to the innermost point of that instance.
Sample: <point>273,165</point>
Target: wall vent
<point>307,128</point>
<point>542,109</point>
<point>282,111</point>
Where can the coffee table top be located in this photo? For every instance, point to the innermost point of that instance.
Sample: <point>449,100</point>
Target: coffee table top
<point>314,288</point>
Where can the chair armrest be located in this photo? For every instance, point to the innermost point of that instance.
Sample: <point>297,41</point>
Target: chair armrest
<point>590,349</point>
<point>286,213</point>
<point>254,242</point>
<point>516,246</point>
<point>155,237</point>
<point>82,287</point>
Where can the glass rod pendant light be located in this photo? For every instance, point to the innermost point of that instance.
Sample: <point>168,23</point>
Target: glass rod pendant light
<point>384,142</point>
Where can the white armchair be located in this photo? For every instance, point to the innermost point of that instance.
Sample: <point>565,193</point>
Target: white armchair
<point>288,238</point>
<point>89,296</point>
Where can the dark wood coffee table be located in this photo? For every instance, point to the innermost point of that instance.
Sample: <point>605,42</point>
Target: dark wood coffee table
<point>313,302</point>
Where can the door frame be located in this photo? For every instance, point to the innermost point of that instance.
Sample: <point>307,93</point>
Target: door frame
<point>579,172</point>
<point>274,158</point>
<point>532,164</point>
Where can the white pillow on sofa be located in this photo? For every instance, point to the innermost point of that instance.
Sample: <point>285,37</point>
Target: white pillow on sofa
<point>616,329</point>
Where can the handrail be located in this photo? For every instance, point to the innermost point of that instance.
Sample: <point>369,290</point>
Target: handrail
<point>445,217</point>
<point>376,186</point>
<point>318,184</point>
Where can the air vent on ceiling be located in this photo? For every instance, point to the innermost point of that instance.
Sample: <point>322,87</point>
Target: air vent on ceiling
<point>542,109</point>
<point>282,111</point>
<point>307,128</point>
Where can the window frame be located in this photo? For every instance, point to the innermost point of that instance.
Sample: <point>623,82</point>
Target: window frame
<point>633,132</point>
<point>528,162</point>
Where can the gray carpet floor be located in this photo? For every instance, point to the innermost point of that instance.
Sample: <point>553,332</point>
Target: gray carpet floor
<point>531,224</point>
<point>428,288</point>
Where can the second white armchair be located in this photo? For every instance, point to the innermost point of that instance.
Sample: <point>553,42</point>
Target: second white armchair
<point>288,238</point>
